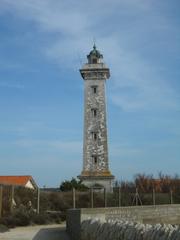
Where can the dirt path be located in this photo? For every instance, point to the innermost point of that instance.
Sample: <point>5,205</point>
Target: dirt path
<point>45,232</point>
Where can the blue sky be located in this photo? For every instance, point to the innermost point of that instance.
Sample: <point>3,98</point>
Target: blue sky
<point>43,43</point>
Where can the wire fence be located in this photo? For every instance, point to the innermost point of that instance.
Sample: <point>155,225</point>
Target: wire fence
<point>95,198</point>
<point>12,197</point>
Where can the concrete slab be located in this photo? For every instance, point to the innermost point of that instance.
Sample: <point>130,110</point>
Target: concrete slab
<point>44,232</point>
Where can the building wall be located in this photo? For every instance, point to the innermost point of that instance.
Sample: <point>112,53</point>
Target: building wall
<point>29,185</point>
<point>106,183</point>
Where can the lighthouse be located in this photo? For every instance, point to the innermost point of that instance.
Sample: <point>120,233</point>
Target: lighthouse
<point>95,140</point>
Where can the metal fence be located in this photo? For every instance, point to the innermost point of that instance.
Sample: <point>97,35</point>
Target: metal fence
<point>11,197</point>
<point>119,197</point>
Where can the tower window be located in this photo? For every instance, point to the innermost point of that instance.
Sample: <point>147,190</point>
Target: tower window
<point>94,112</point>
<point>95,159</point>
<point>94,89</point>
<point>94,135</point>
<point>94,61</point>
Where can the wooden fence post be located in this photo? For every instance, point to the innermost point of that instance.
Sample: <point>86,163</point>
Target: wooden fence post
<point>119,196</point>
<point>1,199</point>
<point>74,197</point>
<point>136,197</point>
<point>171,196</point>
<point>38,200</point>
<point>92,197</point>
<point>11,198</point>
<point>105,198</point>
<point>154,197</point>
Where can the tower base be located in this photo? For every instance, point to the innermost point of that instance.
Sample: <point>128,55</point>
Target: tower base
<point>98,182</point>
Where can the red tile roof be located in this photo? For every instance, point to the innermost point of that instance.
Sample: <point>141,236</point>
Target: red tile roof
<point>16,180</point>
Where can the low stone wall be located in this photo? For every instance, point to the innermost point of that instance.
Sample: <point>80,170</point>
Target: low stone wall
<point>73,223</point>
<point>143,214</point>
<point>124,230</point>
<point>169,214</point>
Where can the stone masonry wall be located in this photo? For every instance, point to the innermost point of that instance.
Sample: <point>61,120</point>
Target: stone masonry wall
<point>164,214</point>
<point>95,124</point>
<point>73,223</point>
<point>124,230</point>
<point>144,214</point>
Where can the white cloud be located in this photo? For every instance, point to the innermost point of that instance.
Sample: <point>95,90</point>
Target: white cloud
<point>137,82</point>
<point>55,17</point>
<point>138,86</point>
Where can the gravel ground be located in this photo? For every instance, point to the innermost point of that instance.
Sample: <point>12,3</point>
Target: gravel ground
<point>43,232</point>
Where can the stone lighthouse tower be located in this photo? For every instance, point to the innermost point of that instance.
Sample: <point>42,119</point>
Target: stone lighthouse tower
<point>95,147</point>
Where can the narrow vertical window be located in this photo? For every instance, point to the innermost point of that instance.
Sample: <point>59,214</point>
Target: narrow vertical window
<point>94,112</point>
<point>95,159</point>
<point>94,89</point>
<point>94,135</point>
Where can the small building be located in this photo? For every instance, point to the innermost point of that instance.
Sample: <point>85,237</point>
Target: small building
<point>23,181</point>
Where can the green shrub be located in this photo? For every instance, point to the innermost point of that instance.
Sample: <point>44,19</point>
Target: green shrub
<point>56,217</point>
<point>73,183</point>
<point>40,219</point>
<point>22,217</point>
<point>9,221</point>
<point>3,228</point>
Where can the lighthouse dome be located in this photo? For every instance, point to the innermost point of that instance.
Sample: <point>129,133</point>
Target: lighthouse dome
<point>94,56</point>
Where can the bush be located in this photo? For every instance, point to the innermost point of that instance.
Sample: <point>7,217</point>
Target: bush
<point>55,201</point>
<point>3,228</point>
<point>24,217</point>
<point>20,217</point>
<point>9,221</point>
<point>39,219</point>
<point>74,183</point>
